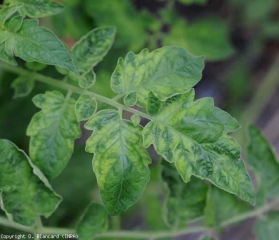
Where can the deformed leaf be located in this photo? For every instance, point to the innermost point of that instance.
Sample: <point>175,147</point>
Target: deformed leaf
<point>52,131</point>
<point>193,135</point>
<point>208,37</point>
<point>221,206</point>
<point>92,48</point>
<point>93,221</point>
<point>185,201</point>
<point>87,79</point>
<point>24,192</point>
<point>153,104</point>
<point>120,162</point>
<point>267,228</point>
<point>166,71</point>
<point>22,86</point>
<point>7,12</point>
<point>39,8</point>
<point>263,161</point>
<point>30,42</point>
<point>85,107</point>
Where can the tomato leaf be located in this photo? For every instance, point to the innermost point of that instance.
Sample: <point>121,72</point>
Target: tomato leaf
<point>53,131</point>
<point>120,162</point>
<point>193,135</point>
<point>25,192</point>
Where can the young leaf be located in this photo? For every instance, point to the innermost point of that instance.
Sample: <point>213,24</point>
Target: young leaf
<point>25,192</point>
<point>38,9</point>
<point>208,37</point>
<point>166,71</point>
<point>221,206</point>
<point>267,228</point>
<point>120,162</point>
<point>85,107</point>
<point>22,86</point>
<point>185,201</point>
<point>193,135</point>
<point>263,161</point>
<point>53,131</point>
<point>93,221</point>
<point>31,43</point>
<point>87,80</point>
<point>35,66</point>
<point>92,48</point>
<point>7,12</point>
<point>135,119</point>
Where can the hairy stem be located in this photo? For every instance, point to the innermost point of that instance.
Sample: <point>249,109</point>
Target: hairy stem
<point>57,83</point>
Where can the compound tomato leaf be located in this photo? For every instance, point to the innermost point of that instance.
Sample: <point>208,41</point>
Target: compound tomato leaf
<point>22,86</point>
<point>193,135</point>
<point>25,192</point>
<point>261,157</point>
<point>92,48</point>
<point>93,221</point>
<point>166,71</point>
<point>267,227</point>
<point>53,131</point>
<point>86,106</point>
<point>31,43</point>
<point>185,201</point>
<point>38,9</point>
<point>221,206</point>
<point>120,161</point>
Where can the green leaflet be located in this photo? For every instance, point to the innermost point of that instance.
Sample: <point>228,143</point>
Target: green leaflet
<point>53,131</point>
<point>263,161</point>
<point>135,119</point>
<point>120,162</point>
<point>193,135</point>
<point>35,66</point>
<point>93,221</point>
<point>22,86</point>
<point>38,8</point>
<point>221,206</point>
<point>86,106</point>
<point>208,37</point>
<point>189,2</point>
<point>185,201</point>
<point>92,48</point>
<point>166,71</point>
<point>25,192</point>
<point>267,228</point>
<point>24,39</point>
<point>87,80</point>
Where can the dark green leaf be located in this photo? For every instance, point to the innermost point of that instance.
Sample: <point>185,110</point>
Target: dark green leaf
<point>221,206</point>
<point>193,135</point>
<point>266,228</point>
<point>185,201</point>
<point>86,106</point>
<point>120,161</point>
<point>35,66</point>
<point>53,131</point>
<point>189,2</point>
<point>22,86</point>
<point>30,42</point>
<point>93,221</point>
<point>165,71</point>
<point>25,192</point>
<point>263,161</point>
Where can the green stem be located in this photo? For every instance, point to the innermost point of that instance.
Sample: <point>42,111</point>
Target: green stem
<point>56,83</point>
<point>149,234</point>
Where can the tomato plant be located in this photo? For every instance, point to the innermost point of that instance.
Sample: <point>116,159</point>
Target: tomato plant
<point>151,103</point>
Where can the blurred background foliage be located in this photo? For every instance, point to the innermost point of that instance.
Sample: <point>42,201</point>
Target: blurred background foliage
<point>240,42</point>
